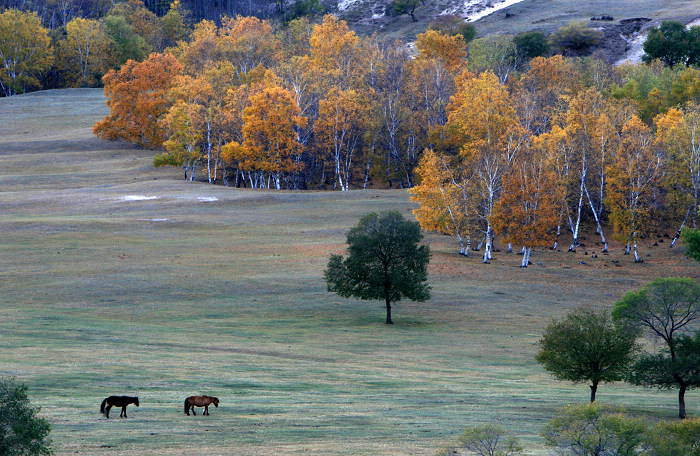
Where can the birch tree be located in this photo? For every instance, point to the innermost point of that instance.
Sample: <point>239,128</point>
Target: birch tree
<point>635,177</point>
<point>679,131</point>
<point>25,51</point>
<point>444,200</point>
<point>490,136</point>
<point>527,211</point>
<point>339,131</point>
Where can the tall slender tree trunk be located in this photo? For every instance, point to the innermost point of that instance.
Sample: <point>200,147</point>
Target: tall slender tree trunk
<point>388,312</point>
<point>597,221</point>
<point>681,401</point>
<point>594,389</point>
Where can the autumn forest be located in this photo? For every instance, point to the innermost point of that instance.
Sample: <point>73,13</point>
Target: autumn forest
<point>490,140</point>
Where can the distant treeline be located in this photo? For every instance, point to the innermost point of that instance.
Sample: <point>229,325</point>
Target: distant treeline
<point>57,13</point>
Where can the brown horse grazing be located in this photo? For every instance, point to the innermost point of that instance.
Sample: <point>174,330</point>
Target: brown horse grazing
<point>200,401</point>
<point>118,401</point>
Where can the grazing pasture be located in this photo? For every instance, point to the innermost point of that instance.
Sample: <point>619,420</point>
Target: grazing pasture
<point>120,279</point>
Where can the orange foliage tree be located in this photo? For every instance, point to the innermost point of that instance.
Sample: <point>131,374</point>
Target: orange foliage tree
<point>137,98</point>
<point>527,211</point>
<point>270,148</point>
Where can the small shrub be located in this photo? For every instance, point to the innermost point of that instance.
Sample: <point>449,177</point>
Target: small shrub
<point>575,36</point>
<point>451,24</point>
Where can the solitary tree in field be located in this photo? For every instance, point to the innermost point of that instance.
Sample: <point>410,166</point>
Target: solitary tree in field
<point>22,433</point>
<point>667,308</point>
<point>384,262</point>
<point>586,347</point>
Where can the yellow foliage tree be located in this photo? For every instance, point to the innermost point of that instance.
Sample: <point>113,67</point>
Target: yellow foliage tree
<point>487,126</point>
<point>634,176</point>
<point>340,127</point>
<point>82,53</point>
<point>679,132</point>
<point>25,51</point>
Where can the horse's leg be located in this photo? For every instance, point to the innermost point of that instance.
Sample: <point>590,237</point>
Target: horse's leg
<point>193,412</point>
<point>206,410</point>
<point>123,411</point>
<point>107,410</point>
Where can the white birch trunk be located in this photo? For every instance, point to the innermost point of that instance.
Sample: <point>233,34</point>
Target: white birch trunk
<point>680,230</point>
<point>597,221</point>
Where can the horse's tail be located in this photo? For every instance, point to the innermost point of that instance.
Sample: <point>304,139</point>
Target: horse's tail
<point>187,403</point>
<point>102,407</point>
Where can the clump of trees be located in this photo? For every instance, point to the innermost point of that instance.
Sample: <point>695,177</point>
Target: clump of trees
<point>673,43</point>
<point>492,136</point>
<point>589,346</point>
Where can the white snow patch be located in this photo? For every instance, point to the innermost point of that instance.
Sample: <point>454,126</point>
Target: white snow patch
<point>207,198</point>
<point>154,220</point>
<point>473,10</point>
<point>138,197</point>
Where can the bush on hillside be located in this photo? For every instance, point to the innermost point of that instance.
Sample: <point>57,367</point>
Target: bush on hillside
<point>532,44</point>
<point>451,24</point>
<point>576,36</point>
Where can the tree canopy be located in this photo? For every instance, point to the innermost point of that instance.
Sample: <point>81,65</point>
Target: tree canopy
<point>669,309</point>
<point>586,346</point>
<point>385,261</point>
<point>22,433</point>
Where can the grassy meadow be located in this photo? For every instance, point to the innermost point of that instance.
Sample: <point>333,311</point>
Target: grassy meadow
<point>120,279</point>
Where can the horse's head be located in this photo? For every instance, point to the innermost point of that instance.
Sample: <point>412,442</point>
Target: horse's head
<point>136,401</point>
<point>216,402</point>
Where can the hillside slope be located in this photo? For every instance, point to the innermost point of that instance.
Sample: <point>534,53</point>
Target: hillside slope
<point>513,16</point>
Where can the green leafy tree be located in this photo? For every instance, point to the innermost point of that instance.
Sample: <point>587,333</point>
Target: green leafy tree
<point>691,239</point>
<point>399,7</point>
<point>586,346</point>
<point>576,36</point>
<point>595,429</point>
<point>666,371</point>
<point>384,262</point>
<point>532,44</point>
<point>668,42</point>
<point>666,308</point>
<point>125,44</point>
<point>453,24</point>
<point>22,433</point>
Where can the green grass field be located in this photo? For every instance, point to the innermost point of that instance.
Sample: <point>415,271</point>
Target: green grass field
<point>212,290</point>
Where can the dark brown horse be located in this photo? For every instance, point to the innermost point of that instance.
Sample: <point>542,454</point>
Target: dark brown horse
<point>118,401</point>
<point>200,401</point>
